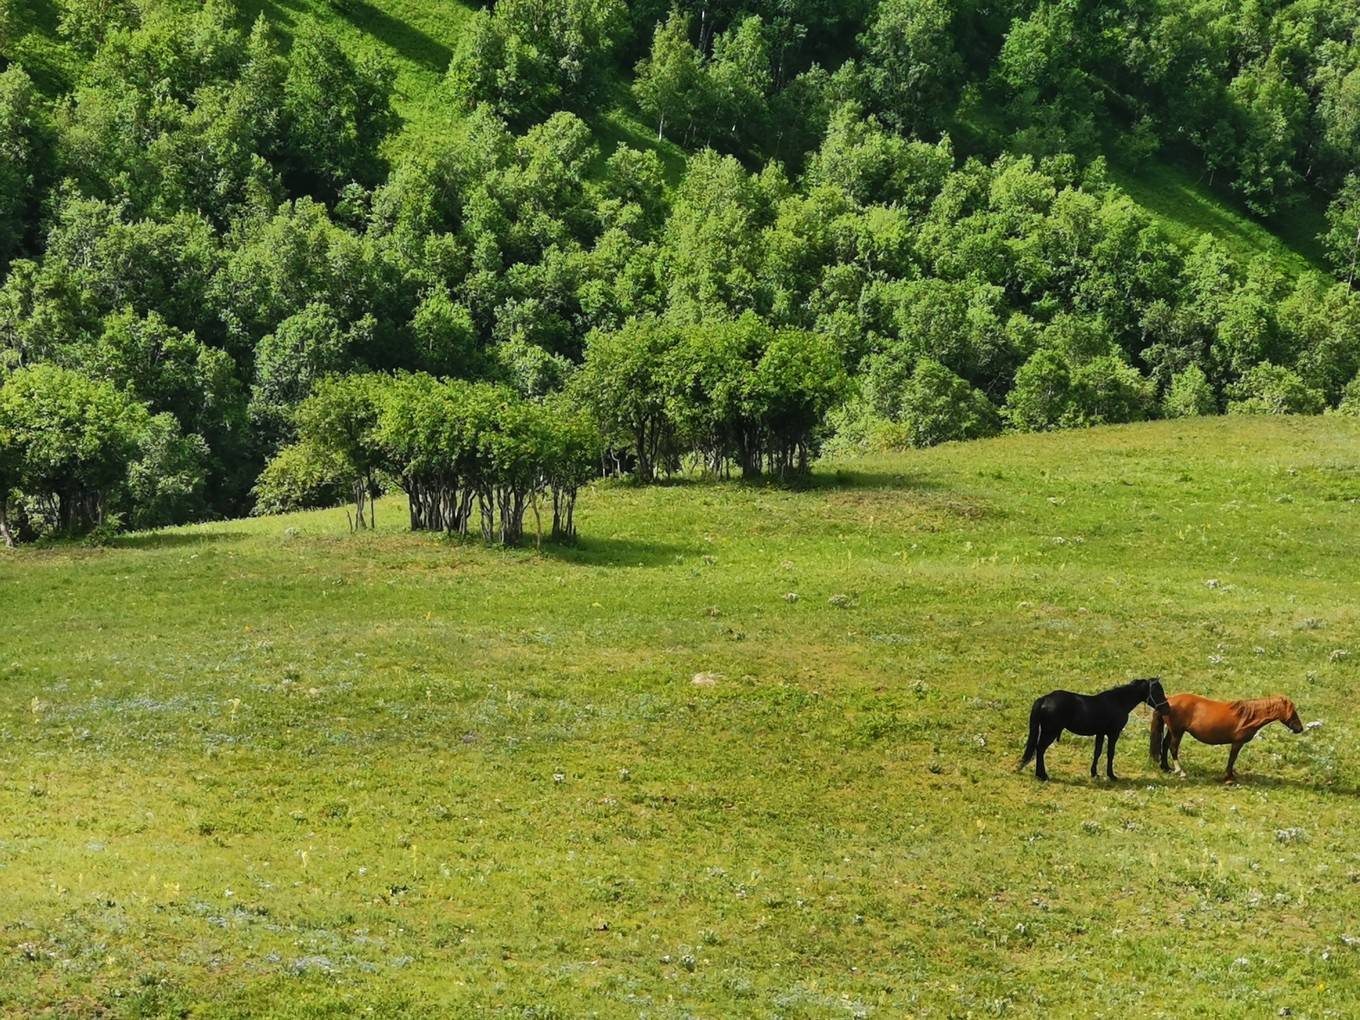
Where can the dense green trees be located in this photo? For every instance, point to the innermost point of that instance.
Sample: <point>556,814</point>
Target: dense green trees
<point>80,453</point>
<point>893,225</point>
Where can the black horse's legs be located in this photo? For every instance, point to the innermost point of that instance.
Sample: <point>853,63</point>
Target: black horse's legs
<point>1095,759</point>
<point>1109,756</point>
<point>1046,738</point>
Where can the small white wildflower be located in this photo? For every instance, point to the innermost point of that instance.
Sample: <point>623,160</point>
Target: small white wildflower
<point>559,777</point>
<point>791,597</point>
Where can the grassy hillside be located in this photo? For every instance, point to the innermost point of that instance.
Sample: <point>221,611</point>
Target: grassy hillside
<point>1187,207</point>
<point>268,767</point>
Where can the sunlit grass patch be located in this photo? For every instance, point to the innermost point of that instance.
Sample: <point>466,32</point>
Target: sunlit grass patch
<point>267,767</point>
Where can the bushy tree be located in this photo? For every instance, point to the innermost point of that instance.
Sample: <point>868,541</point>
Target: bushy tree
<point>669,83</point>
<point>933,405</point>
<point>337,111</point>
<point>337,426</point>
<point>1189,395</point>
<point>1350,398</point>
<point>304,349</point>
<point>527,58</point>
<point>911,62</point>
<point>1273,389</point>
<point>623,380</point>
<point>25,145</point>
<point>1342,238</point>
<point>1054,391</point>
<point>67,442</point>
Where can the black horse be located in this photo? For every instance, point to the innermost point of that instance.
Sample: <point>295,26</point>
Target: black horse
<point>1102,715</point>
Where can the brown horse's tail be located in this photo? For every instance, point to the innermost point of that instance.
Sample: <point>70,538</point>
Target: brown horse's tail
<point>1155,739</point>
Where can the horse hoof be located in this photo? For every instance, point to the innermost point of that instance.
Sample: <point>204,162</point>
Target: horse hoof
<point>1043,778</point>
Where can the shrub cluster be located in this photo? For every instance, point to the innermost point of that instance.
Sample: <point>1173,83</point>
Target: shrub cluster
<point>470,457</point>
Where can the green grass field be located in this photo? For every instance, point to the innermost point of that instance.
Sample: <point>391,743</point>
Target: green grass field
<point>269,768</point>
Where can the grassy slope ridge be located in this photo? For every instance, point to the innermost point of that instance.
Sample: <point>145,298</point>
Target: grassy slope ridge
<point>267,767</point>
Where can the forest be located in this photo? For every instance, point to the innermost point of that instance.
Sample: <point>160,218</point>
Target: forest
<point>226,289</point>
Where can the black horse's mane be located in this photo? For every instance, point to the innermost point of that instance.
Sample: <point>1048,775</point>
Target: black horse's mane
<point>1130,685</point>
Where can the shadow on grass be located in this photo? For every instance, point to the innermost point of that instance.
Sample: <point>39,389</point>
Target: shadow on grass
<point>410,42</point>
<point>867,478</point>
<point>1250,781</point>
<point>594,551</point>
<point>174,539</point>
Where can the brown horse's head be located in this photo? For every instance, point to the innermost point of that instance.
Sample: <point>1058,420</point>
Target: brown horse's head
<point>1289,715</point>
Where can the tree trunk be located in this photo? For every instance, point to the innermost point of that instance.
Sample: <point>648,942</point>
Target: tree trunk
<point>4,521</point>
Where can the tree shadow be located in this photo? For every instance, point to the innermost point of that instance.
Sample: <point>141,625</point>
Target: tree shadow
<point>869,478</point>
<point>1255,781</point>
<point>174,539</point>
<point>594,551</point>
<point>410,42</point>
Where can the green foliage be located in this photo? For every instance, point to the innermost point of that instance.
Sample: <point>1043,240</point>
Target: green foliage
<point>337,110</point>
<point>1189,395</point>
<point>625,383</point>
<point>87,23</point>
<point>911,63</point>
<point>24,156</point>
<point>303,349</point>
<point>932,405</point>
<point>1342,239</point>
<point>337,427</point>
<point>299,477</point>
<point>78,449</point>
<point>669,83</point>
<point>204,212</point>
<point>1350,398</point>
<point>166,483</point>
<point>1055,390</point>
<point>527,58</point>
<point>1273,389</point>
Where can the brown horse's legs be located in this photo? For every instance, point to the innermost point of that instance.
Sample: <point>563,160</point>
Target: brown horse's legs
<point>1176,751</point>
<point>1109,757</point>
<point>1231,777</point>
<point>1095,759</point>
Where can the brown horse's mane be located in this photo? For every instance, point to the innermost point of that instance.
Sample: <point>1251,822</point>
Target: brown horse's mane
<point>1262,710</point>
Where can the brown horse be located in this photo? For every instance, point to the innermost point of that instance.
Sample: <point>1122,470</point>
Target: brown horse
<point>1216,722</point>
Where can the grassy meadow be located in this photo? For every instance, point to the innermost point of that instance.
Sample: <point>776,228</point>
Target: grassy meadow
<point>269,768</point>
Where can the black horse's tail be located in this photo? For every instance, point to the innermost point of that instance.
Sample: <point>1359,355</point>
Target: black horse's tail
<point>1155,739</point>
<point>1032,746</point>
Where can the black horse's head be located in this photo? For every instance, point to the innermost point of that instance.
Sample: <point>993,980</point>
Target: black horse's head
<point>1152,694</point>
